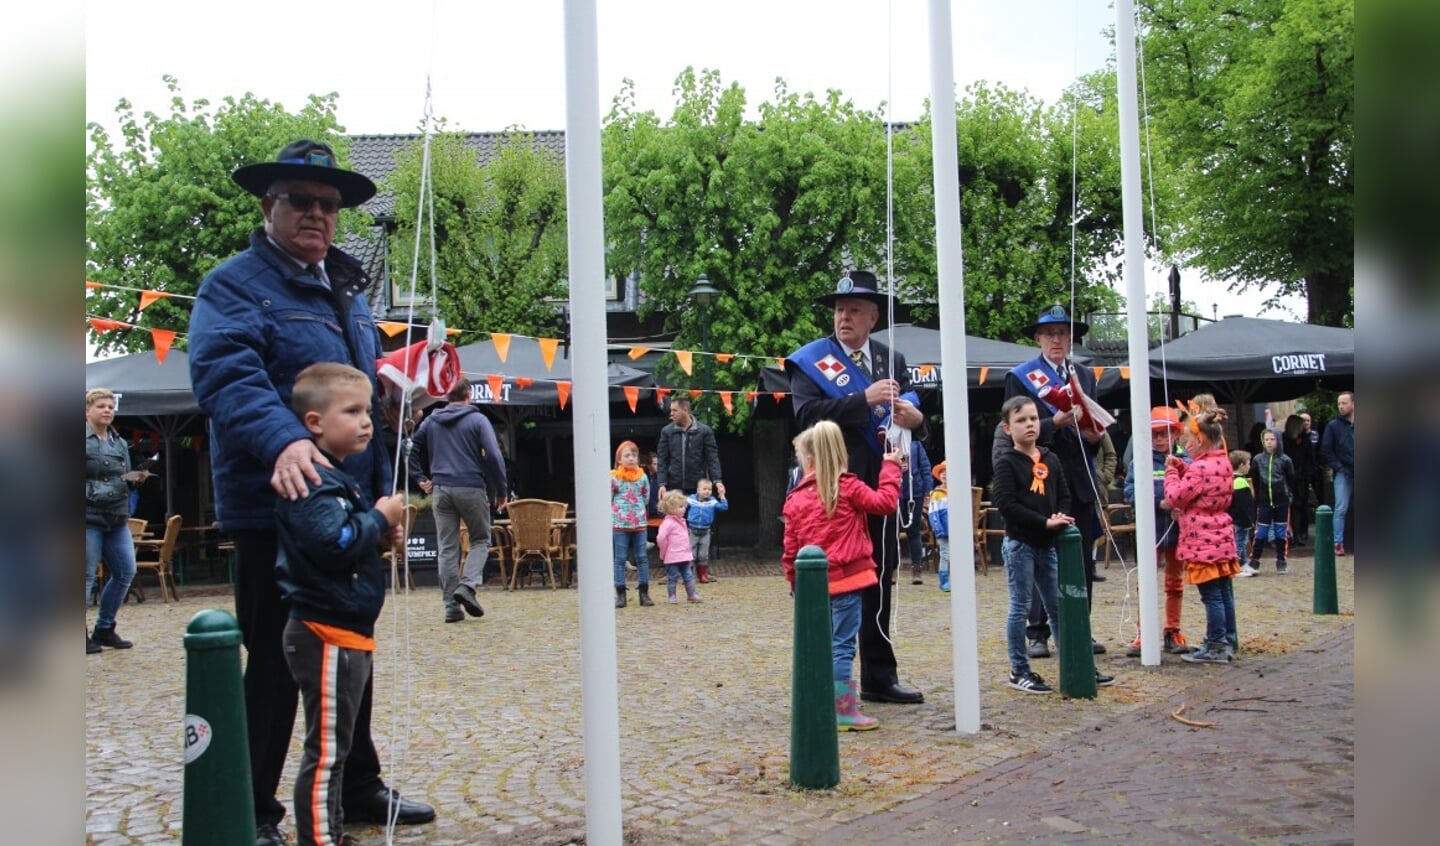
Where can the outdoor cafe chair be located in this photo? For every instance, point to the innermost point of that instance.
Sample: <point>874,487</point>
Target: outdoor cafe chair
<point>158,555</point>
<point>532,541</point>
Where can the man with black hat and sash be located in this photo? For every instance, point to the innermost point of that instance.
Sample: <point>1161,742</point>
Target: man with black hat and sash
<point>1065,428</point>
<point>854,381</point>
<point>288,301</point>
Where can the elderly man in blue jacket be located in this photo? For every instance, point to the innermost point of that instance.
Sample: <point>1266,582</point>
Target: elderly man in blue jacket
<point>288,301</point>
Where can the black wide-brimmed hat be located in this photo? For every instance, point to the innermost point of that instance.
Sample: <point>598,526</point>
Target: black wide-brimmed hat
<point>855,285</point>
<point>312,162</point>
<point>1055,315</point>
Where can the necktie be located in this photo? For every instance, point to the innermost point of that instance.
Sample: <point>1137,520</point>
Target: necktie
<point>1063,371</point>
<point>318,272</point>
<point>858,356</point>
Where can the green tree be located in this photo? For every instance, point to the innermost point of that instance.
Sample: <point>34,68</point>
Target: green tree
<point>765,209</point>
<point>1256,102</point>
<point>161,210</point>
<point>499,233</point>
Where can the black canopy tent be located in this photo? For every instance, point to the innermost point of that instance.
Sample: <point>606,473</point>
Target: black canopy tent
<point>1251,359</point>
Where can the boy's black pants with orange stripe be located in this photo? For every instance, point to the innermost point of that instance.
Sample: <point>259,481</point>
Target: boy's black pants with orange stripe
<point>332,683</point>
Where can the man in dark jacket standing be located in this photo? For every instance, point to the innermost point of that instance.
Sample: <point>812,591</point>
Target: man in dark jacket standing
<point>288,301</point>
<point>856,382</point>
<point>1337,450</point>
<point>458,461</point>
<point>687,451</point>
<point>1073,444</point>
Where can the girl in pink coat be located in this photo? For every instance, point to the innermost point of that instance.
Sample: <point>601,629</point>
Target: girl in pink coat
<point>828,509</point>
<point>673,539</point>
<point>1200,493</point>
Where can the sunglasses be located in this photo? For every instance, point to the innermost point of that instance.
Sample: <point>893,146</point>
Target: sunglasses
<point>304,202</point>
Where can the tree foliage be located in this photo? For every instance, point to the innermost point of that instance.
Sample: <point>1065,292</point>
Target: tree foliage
<point>1256,101</point>
<point>161,210</point>
<point>499,233</point>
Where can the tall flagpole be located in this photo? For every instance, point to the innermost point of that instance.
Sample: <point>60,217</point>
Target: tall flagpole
<point>1136,325</point>
<point>965,650</point>
<point>599,702</point>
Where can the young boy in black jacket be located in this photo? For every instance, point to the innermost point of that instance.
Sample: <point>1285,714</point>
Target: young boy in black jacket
<point>1273,476</point>
<point>329,572</point>
<point>1030,492</point>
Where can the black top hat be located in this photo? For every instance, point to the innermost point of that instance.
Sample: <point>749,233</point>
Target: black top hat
<point>1055,315</point>
<point>312,162</point>
<point>855,285</point>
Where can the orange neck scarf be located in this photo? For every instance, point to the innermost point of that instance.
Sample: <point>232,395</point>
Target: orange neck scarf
<point>627,474</point>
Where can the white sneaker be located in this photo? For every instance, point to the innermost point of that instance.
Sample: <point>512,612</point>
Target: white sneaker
<point>1247,572</point>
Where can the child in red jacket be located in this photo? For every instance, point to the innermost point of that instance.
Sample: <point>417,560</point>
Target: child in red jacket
<point>1200,493</point>
<point>827,508</point>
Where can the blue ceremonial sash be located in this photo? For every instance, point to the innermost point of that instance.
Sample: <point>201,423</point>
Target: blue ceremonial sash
<point>826,364</point>
<point>1036,374</point>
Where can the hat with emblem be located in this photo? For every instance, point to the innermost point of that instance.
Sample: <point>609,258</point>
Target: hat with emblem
<point>857,285</point>
<point>310,161</point>
<point>1055,315</point>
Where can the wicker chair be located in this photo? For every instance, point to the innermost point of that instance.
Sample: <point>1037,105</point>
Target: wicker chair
<point>532,540</point>
<point>395,557</point>
<point>163,551</point>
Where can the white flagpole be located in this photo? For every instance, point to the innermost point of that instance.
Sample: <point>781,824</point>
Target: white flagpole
<point>1136,327</point>
<point>599,695</point>
<point>965,650</point>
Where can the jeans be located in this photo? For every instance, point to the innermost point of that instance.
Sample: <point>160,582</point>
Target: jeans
<point>944,544</point>
<point>453,504</point>
<point>679,572</point>
<point>914,534</point>
<point>1271,522</point>
<point>1344,486</point>
<point>630,545</point>
<point>1219,598</point>
<point>1028,569</point>
<point>844,628</point>
<point>118,549</point>
<point>1242,543</point>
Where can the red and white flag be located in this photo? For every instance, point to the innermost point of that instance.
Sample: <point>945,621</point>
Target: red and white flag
<point>424,372</point>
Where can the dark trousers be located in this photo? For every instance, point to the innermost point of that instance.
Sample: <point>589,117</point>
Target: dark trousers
<point>878,669</point>
<point>332,682</point>
<point>271,696</point>
<point>1038,627</point>
<point>1300,509</point>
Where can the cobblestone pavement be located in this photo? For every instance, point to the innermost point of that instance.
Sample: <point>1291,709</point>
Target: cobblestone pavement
<point>482,719</point>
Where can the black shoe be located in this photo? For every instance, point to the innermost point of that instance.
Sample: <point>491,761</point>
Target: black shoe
<point>1038,649</point>
<point>453,614</point>
<point>91,647</point>
<point>107,637</point>
<point>269,834</point>
<point>376,808</point>
<point>1102,680</point>
<point>894,692</point>
<point>465,595</point>
<point>1097,647</point>
<point>1098,577</point>
<point>645,599</point>
<point>620,600</point>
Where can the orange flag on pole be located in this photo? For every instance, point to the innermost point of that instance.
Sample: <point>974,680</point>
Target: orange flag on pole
<point>523,382</point>
<point>984,371</point>
<point>636,352</point>
<point>727,399</point>
<point>391,328</point>
<point>662,393</point>
<point>105,324</point>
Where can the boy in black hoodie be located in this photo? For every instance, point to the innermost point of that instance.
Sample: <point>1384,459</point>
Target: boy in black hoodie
<point>1273,475</point>
<point>329,572</point>
<point>1030,491</point>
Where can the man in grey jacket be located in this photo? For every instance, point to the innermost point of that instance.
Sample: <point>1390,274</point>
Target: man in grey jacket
<point>460,466</point>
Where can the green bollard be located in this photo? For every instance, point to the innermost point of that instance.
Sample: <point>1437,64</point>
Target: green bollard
<point>1077,660</point>
<point>1325,600</point>
<point>219,807</point>
<point>814,741</point>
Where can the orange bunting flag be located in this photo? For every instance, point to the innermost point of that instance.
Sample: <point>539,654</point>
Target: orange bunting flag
<point>502,344</point>
<point>163,338</point>
<point>781,361</point>
<point>779,396</point>
<point>391,328</point>
<point>105,324</point>
<point>687,362</point>
<point>92,285</point>
<point>751,395</point>
<point>984,371</point>
<point>148,297</point>
<point>636,352</point>
<point>724,358</point>
<point>727,400</point>
<point>1124,372</point>
<point>547,352</point>
<point>523,382</point>
<point>450,330</point>
<point>1098,371</point>
<point>695,393</point>
<point>632,396</point>
<point>563,389</point>
<point>661,394</point>
<point>926,368</point>
<point>497,383</point>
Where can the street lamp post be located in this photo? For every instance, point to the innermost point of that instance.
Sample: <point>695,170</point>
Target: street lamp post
<point>702,294</point>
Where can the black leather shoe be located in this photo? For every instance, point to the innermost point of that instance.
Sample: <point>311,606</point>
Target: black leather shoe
<point>1097,647</point>
<point>376,808</point>
<point>465,595</point>
<point>454,615</point>
<point>268,834</point>
<point>896,693</point>
<point>1099,577</point>
<point>107,637</point>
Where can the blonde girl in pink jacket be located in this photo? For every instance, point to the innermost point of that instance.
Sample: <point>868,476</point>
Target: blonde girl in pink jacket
<point>673,539</point>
